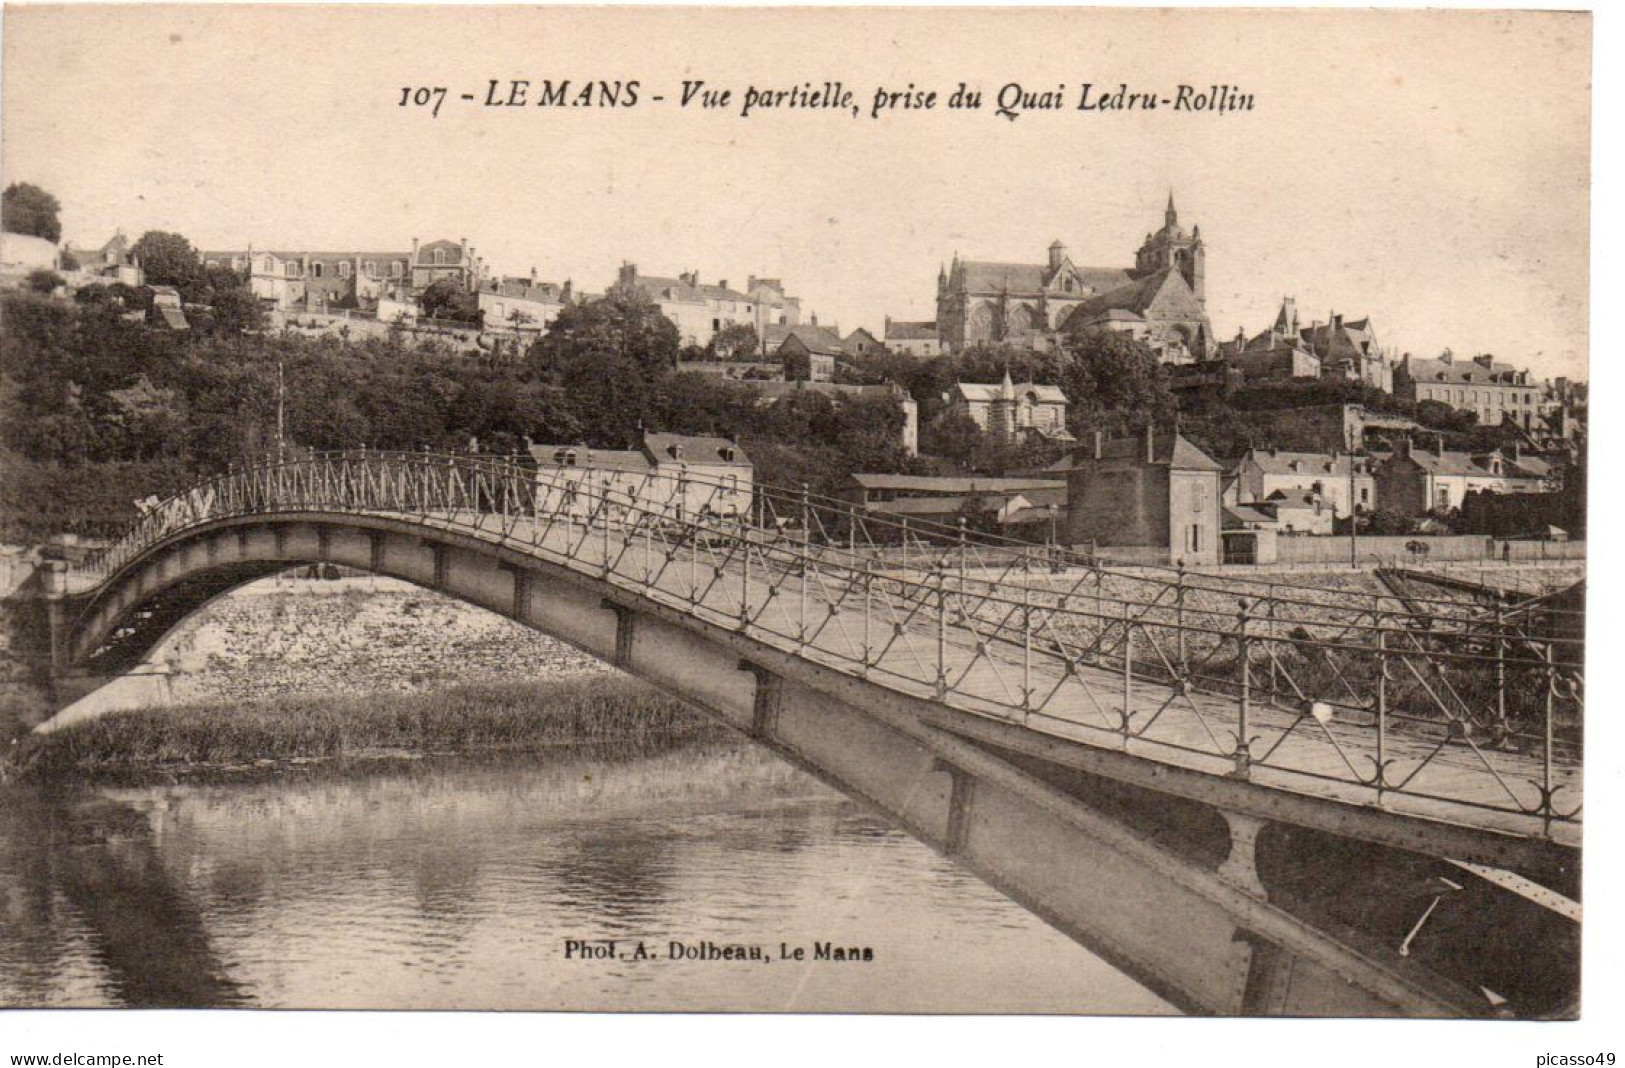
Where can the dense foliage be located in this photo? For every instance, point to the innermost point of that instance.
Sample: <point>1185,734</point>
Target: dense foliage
<point>25,208</point>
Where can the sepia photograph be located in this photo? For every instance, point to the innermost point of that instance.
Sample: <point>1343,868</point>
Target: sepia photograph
<point>1039,511</point>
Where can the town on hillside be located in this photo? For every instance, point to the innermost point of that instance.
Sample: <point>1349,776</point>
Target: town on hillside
<point>1047,401</point>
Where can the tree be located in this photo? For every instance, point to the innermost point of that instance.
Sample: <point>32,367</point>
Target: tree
<point>627,328</point>
<point>953,435</point>
<point>168,259</point>
<point>44,282</point>
<point>1114,383</point>
<point>25,208</point>
<point>736,342</point>
<point>446,299</point>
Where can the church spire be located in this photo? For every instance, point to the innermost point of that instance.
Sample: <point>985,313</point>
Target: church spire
<point>1171,216</point>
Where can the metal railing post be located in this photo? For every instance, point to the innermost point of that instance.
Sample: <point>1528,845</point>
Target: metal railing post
<point>1243,755</point>
<point>942,631</point>
<point>1380,777</point>
<point>1127,713</point>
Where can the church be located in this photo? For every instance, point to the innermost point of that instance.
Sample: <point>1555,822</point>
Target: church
<point>1160,300</point>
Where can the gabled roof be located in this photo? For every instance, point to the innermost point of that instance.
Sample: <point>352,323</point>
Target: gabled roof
<point>590,459</point>
<point>1280,462</point>
<point>1166,288</point>
<point>816,338</point>
<point>983,392</point>
<point>898,330</point>
<point>1464,372</point>
<point>693,449</point>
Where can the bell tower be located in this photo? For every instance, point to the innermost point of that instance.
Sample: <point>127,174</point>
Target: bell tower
<point>1172,247</point>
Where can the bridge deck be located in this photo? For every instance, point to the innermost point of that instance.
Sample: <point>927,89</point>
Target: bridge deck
<point>828,621</point>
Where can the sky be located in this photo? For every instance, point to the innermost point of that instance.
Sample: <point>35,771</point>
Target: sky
<point>1428,169</point>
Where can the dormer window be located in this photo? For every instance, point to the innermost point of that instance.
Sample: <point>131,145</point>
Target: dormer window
<point>727,454</point>
<point>674,451</point>
<point>439,256</point>
<point>565,457</point>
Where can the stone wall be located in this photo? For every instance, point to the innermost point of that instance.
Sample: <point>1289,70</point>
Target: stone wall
<point>285,636</point>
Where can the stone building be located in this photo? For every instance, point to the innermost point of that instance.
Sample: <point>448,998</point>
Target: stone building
<point>807,351</point>
<point>913,338</point>
<point>1160,299</point>
<point>1496,392</point>
<point>691,475</point>
<point>313,281</point>
<point>1415,481</point>
<point>522,305</point>
<point>1009,412</point>
<point>1157,493</point>
<point>1262,474</point>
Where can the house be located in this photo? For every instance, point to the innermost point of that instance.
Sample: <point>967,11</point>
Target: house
<point>1492,390</point>
<point>687,474</point>
<point>1278,354</point>
<point>702,310</point>
<point>112,262</point>
<point>771,305</point>
<point>1011,412</point>
<point>1156,492</point>
<point>1417,481</point>
<point>913,338</point>
<point>861,342</point>
<point>807,351</point>
<point>1348,349</point>
<point>1261,474</point>
<point>522,305</point>
<point>871,491</point>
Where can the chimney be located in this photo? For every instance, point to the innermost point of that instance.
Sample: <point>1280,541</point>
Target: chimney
<point>464,241</point>
<point>1402,448</point>
<point>1150,444</point>
<point>1100,444</point>
<point>564,294</point>
<point>723,283</point>
<point>414,250</point>
<point>533,274</point>
<point>1438,441</point>
<point>1486,361</point>
<point>814,318</point>
<point>750,284</point>
<point>628,275</point>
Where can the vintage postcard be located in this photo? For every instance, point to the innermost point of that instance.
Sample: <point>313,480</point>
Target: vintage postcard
<point>929,510</point>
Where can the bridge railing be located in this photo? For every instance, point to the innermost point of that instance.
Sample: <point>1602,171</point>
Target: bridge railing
<point>1381,696</point>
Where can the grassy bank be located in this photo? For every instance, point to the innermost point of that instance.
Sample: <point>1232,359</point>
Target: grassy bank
<point>463,719</point>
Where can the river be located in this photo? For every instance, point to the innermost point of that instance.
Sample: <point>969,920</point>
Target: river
<point>459,884</point>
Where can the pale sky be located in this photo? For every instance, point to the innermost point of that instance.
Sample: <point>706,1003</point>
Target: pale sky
<point>1427,169</point>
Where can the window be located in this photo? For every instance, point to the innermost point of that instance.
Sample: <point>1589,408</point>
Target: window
<point>1193,538</point>
<point>316,270</point>
<point>370,269</point>
<point>395,268</point>
<point>728,455</point>
<point>293,270</point>
<point>564,457</point>
<point>344,268</point>
<point>1196,502</point>
<point>1365,494</point>
<point>439,256</point>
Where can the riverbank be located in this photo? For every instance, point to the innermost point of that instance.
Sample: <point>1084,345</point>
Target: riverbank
<point>226,736</point>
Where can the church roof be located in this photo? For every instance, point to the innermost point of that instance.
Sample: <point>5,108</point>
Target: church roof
<point>1138,297</point>
<point>1030,279</point>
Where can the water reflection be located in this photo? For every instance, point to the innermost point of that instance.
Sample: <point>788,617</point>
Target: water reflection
<point>456,884</point>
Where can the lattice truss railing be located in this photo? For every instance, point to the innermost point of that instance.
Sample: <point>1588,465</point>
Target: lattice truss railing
<point>1377,698</point>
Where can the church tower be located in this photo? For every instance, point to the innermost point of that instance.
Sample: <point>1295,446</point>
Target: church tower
<point>1172,247</point>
